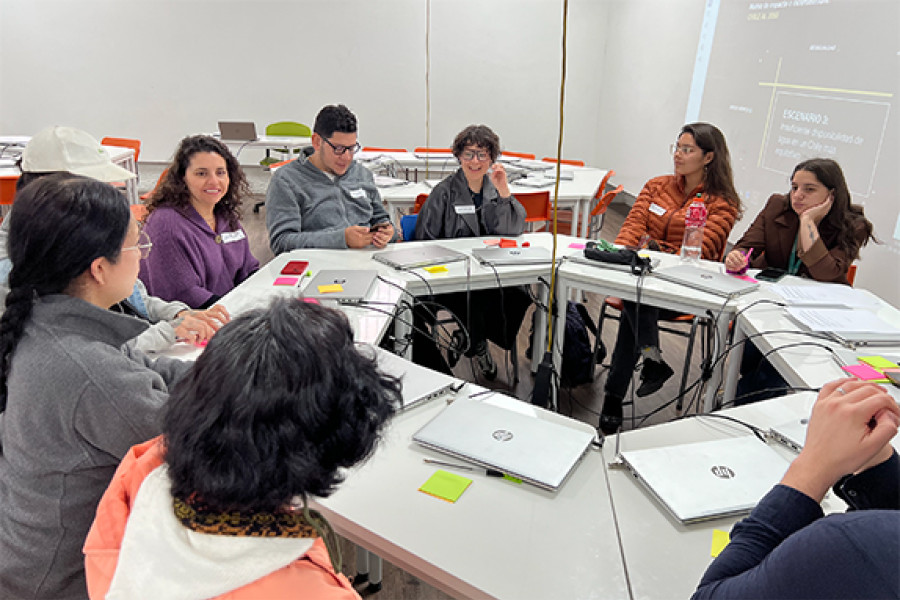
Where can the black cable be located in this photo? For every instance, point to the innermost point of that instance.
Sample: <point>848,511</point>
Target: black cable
<point>759,433</point>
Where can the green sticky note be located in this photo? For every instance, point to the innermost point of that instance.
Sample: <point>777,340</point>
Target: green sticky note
<point>511,478</point>
<point>720,539</point>
<point>446,486</point>
<point>878,362</point>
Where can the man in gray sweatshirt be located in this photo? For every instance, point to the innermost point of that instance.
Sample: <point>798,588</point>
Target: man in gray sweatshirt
<point>325,199</point>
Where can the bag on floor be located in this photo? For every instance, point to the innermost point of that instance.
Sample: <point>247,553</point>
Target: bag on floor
<point>578,354</point>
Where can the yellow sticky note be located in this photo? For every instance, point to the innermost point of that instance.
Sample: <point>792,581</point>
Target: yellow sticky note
<point>331,288</point>
<point>436,269</point>
<point>878,362</point>
<point>446,486</point>
<point>720,539</point>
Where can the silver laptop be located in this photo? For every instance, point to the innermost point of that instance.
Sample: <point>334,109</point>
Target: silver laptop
<point>512,256</point>
<point>238,131</point>
<point>712,282</point>
<point>413,256</point>
<point>707,480</point>
<point>530,448</point>
<point>791,434</point>
<point>419,383</point>
<point>342,286</point>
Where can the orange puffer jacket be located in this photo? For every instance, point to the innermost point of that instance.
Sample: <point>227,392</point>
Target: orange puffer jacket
<point>659,212</point>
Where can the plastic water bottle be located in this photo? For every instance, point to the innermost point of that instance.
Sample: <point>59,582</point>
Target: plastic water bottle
<point>694,221</point>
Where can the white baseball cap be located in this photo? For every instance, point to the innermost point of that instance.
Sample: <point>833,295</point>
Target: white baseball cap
<point>68,149</point>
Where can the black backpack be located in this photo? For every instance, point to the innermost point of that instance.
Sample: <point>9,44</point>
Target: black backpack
<point>578,354</point>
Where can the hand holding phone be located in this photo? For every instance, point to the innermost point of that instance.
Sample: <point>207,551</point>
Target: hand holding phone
<point>378,226</point>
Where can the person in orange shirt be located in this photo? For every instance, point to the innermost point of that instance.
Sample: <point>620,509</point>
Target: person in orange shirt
<point>278,404</point>
<point>702,171</point>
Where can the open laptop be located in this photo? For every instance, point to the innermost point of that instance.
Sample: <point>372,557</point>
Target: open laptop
<point>343,286</point>
<point>512,256</point>
<point>707,480</point>
<point>419,383</point>
<point>533,449</point>
<point>712,282</point>
<point>793,434</point>
<point>404,257</point>
<point>238,131</point>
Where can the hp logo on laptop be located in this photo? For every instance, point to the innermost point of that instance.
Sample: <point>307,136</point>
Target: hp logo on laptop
<point>722,472</point>
<point>705,276</point>
<point>502,435</point>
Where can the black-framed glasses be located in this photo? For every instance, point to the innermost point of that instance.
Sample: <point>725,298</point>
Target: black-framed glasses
<point>473,154</point>
<point>143,246</point>
<point>340,150</point>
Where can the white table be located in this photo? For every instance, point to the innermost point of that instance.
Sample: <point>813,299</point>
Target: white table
<point>270,142</point>
<point>499,540</point>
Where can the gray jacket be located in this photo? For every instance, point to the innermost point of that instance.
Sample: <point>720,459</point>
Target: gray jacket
<point>161,334</point>
<point>306,209</point>
<point>441,216</point>
<point>76,402</point>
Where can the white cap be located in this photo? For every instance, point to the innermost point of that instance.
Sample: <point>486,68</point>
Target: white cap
<point>69,149</point>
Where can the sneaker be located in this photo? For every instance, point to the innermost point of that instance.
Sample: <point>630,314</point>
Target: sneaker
<point>611,416</point>
<point>486,364</point>
<point>454,350</point>
<point>653,375</point>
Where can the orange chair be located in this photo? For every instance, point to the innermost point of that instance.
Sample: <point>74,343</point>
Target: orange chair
<point>599,210</point>
<point>564,161</point>
<point>158,181</point>
<point>124,143</point>
<point>434,150</point>
<point>139,211</point>
<point>8,189</point>
<point>851,274</point>
<point>537,206</point>
<point>376,149</point>
<point>524,155</point>
<point>417,206</point>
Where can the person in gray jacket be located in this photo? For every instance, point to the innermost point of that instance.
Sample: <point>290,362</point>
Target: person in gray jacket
<point>325,199</point>
<point>73,397</point>
<point>475,201</point>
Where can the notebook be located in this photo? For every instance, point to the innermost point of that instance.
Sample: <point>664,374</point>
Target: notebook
<point>850,327</point>
<point>512,256</point>
<point>707,480</point>
<point>344,286</point>
<point>533,449</point>
<point>413,256</point>
<point>238,131</point>
<point>420,384</point>
<point>712,282</point>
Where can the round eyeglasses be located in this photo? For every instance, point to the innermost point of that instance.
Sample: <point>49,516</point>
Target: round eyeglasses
<point>685,150</point>
<point>143,246</point>
<point>341,150</point>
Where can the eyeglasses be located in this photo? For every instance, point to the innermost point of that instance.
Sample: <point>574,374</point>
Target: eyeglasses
<point>685,150</point>
<point>143,246</point>
<point>471,155</point>
<point>340,150</point>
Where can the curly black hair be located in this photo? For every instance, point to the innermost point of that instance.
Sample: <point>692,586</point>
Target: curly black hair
<point>276,404</point>
<point>173,191</point>
<point>480,136</point>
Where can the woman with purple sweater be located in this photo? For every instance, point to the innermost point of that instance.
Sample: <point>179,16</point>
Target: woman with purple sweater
<point>200,251</point>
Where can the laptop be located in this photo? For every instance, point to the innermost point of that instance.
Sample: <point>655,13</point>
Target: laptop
<point>533,449</point>
<point>712,282</point>
<point>238,131</point>
<point>512,256</point>
<point>707,480</point>
<point>419,383</point>
<point>791,435</point>
<point>418,255</point>
<point>343,286</point>
<point>850,327</point>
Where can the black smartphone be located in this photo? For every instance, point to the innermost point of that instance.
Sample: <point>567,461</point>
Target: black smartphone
<point>378,226</point>
<point>771,274</point>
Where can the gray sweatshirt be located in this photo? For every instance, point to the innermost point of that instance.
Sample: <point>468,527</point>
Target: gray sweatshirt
<point>77,401</point>
<point>305,208</point>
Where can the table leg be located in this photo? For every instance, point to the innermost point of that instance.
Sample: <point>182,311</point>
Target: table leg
<point>539,335</point>
<point>403,339</point>
<point>713,385</point>
<point>734,362</point>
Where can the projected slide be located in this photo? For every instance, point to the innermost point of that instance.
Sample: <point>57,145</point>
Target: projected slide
<point>795,79</point>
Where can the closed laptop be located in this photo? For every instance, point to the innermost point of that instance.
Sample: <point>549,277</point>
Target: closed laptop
<point>413,256</point>
<point>712,282</point>
<point>340,285</point>
<point>512,256</point>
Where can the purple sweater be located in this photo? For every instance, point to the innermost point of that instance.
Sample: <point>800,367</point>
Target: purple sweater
<point>191,263</point>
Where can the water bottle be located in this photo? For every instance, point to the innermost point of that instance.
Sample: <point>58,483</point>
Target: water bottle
<point>694,221</point>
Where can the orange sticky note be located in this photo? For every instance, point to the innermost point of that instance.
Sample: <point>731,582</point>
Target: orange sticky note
<point>331,288</point>
<point>505,243</point>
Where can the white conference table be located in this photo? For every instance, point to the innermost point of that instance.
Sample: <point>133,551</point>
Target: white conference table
<point>499,540</point>
<point>270,142</point>
<point>653,292</point>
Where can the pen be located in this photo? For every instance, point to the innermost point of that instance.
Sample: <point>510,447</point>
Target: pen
<point>488,472</point>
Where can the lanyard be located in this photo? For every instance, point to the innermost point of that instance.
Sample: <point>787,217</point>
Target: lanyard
<point>794,261</point>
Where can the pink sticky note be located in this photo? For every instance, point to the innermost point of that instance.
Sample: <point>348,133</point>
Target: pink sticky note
<point>311,300</point>
<point>745,278</point>
<point>864,372</point>
<point>286,281</point>
<point>492,242</point>
<point>577,245</point>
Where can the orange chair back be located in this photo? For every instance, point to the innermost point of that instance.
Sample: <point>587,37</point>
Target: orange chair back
<point>124,143</point>
<point>602,188</point>
<point>158,181</point>
<point>375,149</point>
<point>537,206</point>
<point>524,155</point>
<point>440,150</point>
<point>8,188</point>
<point>564,161</point>
<point>139,211</point>
<point>851,274</point>
<point>605,201</point>
<point>417,206</point>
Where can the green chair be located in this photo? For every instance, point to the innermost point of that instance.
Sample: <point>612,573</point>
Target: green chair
<point>285,128</point>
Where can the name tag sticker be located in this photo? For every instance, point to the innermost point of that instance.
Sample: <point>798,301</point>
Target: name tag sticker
<point>232,236</point>
<point>359,193</point>
<point>656,209</point>
<point>464,209</point>
<point>331,288</point>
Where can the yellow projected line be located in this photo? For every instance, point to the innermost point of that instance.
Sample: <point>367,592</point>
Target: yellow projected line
<point>768,116</point>
<point>825,89</point>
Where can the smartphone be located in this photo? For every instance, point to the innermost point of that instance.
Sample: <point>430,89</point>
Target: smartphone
<point>377,226</point>
<point>295,267</point>
<point>771,274</point>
